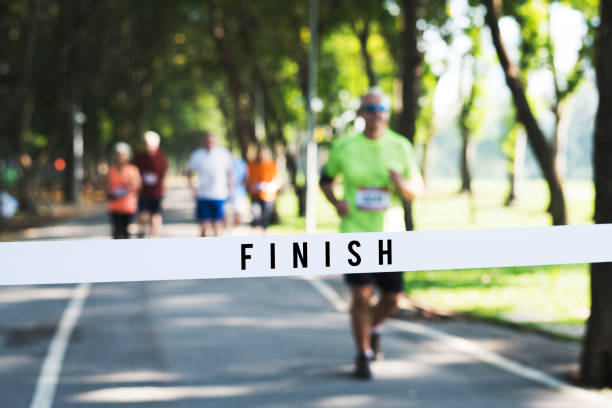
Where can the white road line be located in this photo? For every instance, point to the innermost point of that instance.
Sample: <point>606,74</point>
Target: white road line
<point>470,348</point>
<point>44,393</point>
<point>328,293</point>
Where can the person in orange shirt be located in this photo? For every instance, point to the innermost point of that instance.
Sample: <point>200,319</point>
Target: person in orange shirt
<point>122,191</point>
<point>263,187</point>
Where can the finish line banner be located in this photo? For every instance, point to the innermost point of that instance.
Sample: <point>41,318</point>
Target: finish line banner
<point>44,262</point>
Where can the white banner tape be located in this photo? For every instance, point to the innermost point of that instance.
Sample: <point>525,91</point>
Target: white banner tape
<point>286,255</point>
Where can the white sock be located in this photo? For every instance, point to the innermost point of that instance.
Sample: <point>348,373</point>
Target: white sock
<point>369,353</point>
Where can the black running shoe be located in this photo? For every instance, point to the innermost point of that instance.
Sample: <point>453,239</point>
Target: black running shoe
<point>375,345</point>
<point>362,367</point>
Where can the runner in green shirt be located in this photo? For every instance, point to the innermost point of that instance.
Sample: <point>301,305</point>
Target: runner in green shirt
<point>377,168</point>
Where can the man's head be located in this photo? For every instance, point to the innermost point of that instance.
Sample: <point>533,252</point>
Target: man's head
<point>151,141</point>
<point>208,140</point>
<point>375,108</point>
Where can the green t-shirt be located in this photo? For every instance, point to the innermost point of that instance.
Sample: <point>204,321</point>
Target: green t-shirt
<point>364,165</point>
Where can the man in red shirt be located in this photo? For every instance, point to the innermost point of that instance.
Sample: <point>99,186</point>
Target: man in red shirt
<point>152,165</point>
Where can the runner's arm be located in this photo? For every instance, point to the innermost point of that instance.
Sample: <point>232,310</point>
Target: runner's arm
<point>189,175</point>
<point>327,184</point>
<point>408,189</point>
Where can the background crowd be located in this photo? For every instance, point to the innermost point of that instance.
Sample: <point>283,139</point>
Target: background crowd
<point>228,192</point>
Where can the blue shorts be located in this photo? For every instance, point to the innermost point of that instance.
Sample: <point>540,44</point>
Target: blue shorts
<point>210,210</point>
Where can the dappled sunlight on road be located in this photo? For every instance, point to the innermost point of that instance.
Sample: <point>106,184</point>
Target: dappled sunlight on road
<point>177,302</point>
<point>341,401</point>
<point>156,394</point>
<point>140,376</point>
<point>153,394</point>
<point>10,364</point>
<point>293,321</point>
<point>31,294</point>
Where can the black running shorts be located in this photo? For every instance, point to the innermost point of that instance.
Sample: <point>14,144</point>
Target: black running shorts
<point>388,282</point>
<point>150,205</point>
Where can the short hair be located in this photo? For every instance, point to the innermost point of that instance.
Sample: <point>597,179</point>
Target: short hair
<point>376,91</point>
<point>124,148</point>
<point>152,138</point>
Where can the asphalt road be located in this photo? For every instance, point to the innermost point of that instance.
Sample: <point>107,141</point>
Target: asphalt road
<point>262,342</point>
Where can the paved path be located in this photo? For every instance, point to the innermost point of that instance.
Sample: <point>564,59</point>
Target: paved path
<point>265,342</point>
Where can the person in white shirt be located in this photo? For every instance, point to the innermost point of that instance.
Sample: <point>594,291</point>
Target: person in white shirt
<point>213,166</point>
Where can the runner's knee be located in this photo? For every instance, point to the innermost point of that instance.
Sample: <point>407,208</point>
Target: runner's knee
<point>361,296</point>
<point>390,300</point>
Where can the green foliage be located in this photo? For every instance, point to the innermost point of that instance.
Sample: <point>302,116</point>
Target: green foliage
<point>426,119</point>
<point>133,67</point>
<point>537,47</point>
<point>510,294</point>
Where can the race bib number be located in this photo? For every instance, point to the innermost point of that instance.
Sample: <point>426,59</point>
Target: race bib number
<point>120,192</point>
<point>149,178</point>
<point>372,199</point>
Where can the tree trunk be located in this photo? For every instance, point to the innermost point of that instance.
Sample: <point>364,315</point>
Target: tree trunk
<point>411,70</point>
<point>66,134</point>
<point>23,100</point>
<point>596,361</point>
<point>272,123</point>
<point>464,114</point>
<point>363,36</point>
<point>144,94</point>
<point>541,148</point>
<point>24,193</point>
<point>517,168</point>
<point>561,138</point>
<point>241,103</point>
<point>426,153</point>
<point>466,159</point>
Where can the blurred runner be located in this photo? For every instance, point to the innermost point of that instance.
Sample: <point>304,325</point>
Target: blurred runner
<point>122,188</point>
<point>237,208</point>
<point>263,187</point>
<point>213,165</point>
<point>376,166</point>
<point>152,165</point>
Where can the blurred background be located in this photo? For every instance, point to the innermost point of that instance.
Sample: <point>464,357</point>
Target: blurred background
<point>502,119</point>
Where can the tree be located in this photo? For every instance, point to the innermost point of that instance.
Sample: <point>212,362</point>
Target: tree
<point>538,51</point>
<point>411,69</point>
<point>425,125</point>
<point>513,146</point>
<point>596,360</point>
<point>470,116</point>
<point>543,150</point>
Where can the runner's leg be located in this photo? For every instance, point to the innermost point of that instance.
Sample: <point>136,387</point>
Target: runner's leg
<point>267,208</point>
<point>156,220</point>
<point>143,220</point>
<point>218,217</point>
<point>114,218</point>
<point>205,226</point>
<point>122,223</point>
<point>156,224</point>
<point>386,307</point>
<point>361,320</point>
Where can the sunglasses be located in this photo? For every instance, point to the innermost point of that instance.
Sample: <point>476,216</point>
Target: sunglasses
<point>375,108</point>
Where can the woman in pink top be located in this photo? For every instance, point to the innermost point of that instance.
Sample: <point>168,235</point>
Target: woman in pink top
<point>122,191</point>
